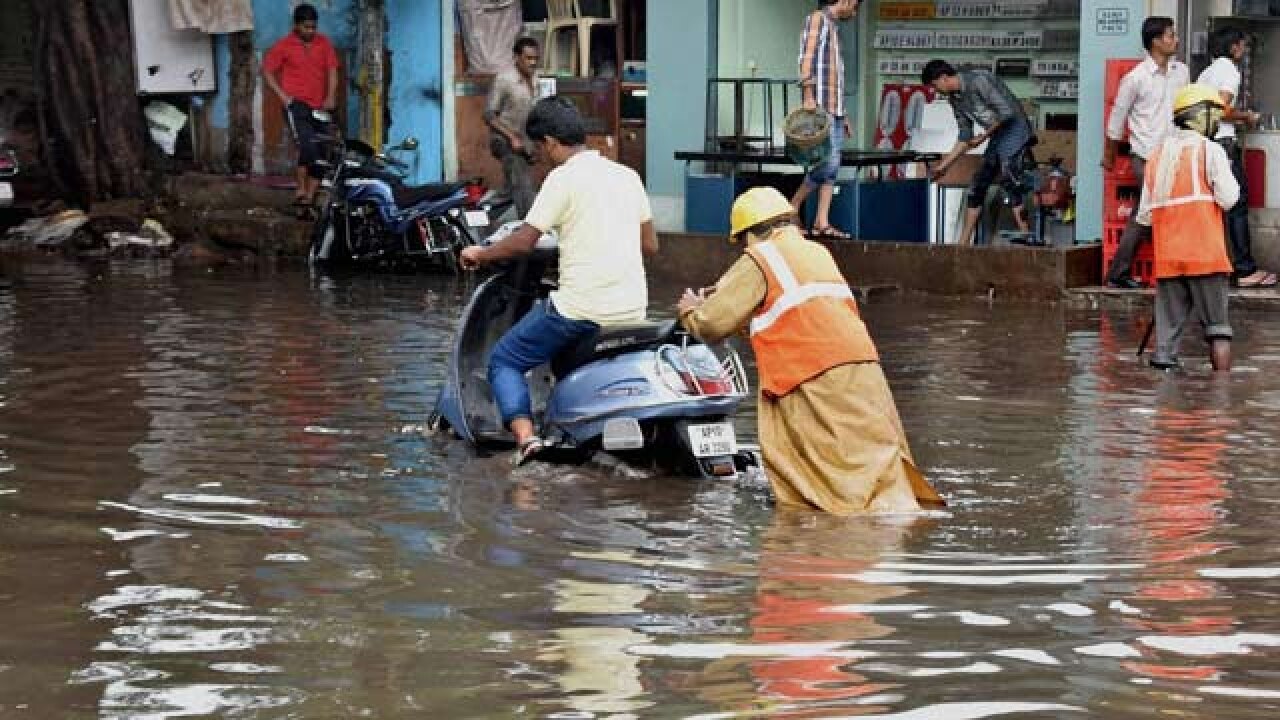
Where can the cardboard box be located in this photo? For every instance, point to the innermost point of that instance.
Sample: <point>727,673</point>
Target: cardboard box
<point>1061,143</point>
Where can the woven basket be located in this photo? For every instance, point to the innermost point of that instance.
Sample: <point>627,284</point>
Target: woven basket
<point>807,128</point>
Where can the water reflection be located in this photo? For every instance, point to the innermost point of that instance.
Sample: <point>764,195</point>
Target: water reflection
<point>809,610</point>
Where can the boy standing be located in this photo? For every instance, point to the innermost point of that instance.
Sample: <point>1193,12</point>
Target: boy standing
<point>302,70</point>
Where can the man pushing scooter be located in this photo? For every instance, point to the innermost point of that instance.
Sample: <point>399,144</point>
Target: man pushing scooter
<point>601,214</point>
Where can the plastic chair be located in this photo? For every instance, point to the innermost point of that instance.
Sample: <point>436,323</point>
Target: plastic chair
<point>567,15</point>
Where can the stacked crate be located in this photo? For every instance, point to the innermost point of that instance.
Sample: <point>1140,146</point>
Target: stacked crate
<point>1119,188</point>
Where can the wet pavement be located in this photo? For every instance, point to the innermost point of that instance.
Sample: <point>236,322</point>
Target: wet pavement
<point>216,500</point>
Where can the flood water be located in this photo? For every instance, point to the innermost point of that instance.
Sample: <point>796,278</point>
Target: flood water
<point>216,500</point>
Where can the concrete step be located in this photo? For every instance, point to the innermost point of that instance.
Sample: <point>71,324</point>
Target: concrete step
<point>1100,296</point>
<point>264,232</point>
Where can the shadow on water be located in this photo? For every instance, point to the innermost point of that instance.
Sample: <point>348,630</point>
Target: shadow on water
<point>218,500</point>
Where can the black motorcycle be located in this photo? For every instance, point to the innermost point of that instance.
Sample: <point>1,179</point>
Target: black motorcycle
<point>368,216</point>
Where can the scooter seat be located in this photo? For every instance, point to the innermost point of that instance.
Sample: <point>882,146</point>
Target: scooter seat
<point>610,341</point>
<point>431,192</point>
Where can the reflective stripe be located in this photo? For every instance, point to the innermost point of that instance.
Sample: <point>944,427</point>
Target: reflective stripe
<point>1197,162</point>
<point>796,297</point>
<point>778,266</point>
<point>1184,200</point>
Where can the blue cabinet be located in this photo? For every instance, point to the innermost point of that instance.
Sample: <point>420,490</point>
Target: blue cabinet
<point>707,201</point>
<point>887,211</point>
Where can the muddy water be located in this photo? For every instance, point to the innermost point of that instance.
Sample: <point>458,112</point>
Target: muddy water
<point>216,501</point>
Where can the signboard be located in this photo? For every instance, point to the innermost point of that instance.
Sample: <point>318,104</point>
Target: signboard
<point>906,10</point>
<point>895,39</point>
<point>1112,21</point>
<point>1013,67</point>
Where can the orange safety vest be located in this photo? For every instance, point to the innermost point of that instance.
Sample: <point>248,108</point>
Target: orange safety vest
<point>809,321</point>
<point>1186,226</point>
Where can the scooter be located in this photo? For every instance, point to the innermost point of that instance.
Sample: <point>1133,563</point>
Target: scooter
<point>645,392</point>
<point>369,217</point>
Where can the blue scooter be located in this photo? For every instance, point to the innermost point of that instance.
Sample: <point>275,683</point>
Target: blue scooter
<point>646,392</point>
<point>371,218</point>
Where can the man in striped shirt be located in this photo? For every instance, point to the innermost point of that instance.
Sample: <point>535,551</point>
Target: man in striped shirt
<point>822,82</point>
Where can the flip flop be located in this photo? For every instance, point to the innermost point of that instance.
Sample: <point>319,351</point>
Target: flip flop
<point>527,450</point>
<point>1267,280</point>
<point>830,231</point>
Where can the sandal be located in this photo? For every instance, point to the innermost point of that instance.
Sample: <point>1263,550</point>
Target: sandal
<point>1260,279</point>
<point>831,232</point>
<point>527,450</point>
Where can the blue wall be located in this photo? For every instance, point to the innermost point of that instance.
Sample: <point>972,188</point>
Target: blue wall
<point>413,38</point>
<point>416,94</point>
<point>680,55</point>
<point>1095,49</point>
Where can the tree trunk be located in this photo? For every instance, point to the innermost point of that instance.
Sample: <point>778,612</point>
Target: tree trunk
<point>244,82</point>
<point>93,130</point>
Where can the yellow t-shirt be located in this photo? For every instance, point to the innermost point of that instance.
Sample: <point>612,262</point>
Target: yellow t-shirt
<point>596,206</point>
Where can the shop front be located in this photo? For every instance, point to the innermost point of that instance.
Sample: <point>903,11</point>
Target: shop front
<point>1051,53</point>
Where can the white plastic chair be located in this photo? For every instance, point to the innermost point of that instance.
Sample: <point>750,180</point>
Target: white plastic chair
<point>567,15</point>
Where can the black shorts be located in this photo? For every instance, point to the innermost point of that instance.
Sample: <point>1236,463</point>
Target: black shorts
<point>304,128</point>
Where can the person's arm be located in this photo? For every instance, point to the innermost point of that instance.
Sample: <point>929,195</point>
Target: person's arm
<point>1143,213</point>
<point>331,89</point>
<point>1119,118</point>
<point>714,317</point>
<point>1233,115</point>
<point>1226,191</point>
<point>519,243</point>
<point>648,233</point>
<point>331,94</point>
<point>943,165</point>
<point>548,208</point>
<point>271,67</point>
<point>809,41</point>
<point>649,244</point>
<point>999,99</point>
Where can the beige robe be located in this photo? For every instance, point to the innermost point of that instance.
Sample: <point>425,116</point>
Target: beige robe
<point>835,443</point>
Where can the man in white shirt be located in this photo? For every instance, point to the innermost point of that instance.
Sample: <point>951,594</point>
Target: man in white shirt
<point>1228,45</point>
<point>1143,106</point>
<point>601,214</point>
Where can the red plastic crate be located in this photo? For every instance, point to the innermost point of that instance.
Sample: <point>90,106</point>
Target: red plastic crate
<point>1117,68</point>
<point>1121,175</point>
<point>1112,192</point>
<point>1144,260</point>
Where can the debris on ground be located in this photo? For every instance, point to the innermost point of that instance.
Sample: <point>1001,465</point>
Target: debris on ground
<point>77,233</point>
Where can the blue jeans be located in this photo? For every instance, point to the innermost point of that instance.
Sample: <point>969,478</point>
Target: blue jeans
<point>826,173</point>
<point>539,336</point>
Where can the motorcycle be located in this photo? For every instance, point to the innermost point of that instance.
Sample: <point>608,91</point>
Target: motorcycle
<point>646,392</point>
<point>368,217</point>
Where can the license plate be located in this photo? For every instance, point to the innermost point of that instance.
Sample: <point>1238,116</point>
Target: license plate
<point>6,193</point>
<point>712,439</point>
<point>477,218</point>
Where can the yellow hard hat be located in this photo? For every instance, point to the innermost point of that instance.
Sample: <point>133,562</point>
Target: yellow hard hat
<point>756,206</point>
<point>1194,94</point>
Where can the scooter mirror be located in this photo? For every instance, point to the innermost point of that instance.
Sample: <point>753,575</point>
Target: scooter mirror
<point>409,143</point>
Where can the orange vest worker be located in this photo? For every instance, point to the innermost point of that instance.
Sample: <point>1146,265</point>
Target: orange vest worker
<point>1186,225</point>
<point>809,321</point>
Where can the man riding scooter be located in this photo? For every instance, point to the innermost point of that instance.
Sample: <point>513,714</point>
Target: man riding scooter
<point>601,215</point>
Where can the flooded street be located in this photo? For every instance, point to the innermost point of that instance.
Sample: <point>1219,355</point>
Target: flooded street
<point>217,500</point>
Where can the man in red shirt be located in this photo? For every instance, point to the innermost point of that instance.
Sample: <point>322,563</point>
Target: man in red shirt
<point>302,70</point>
